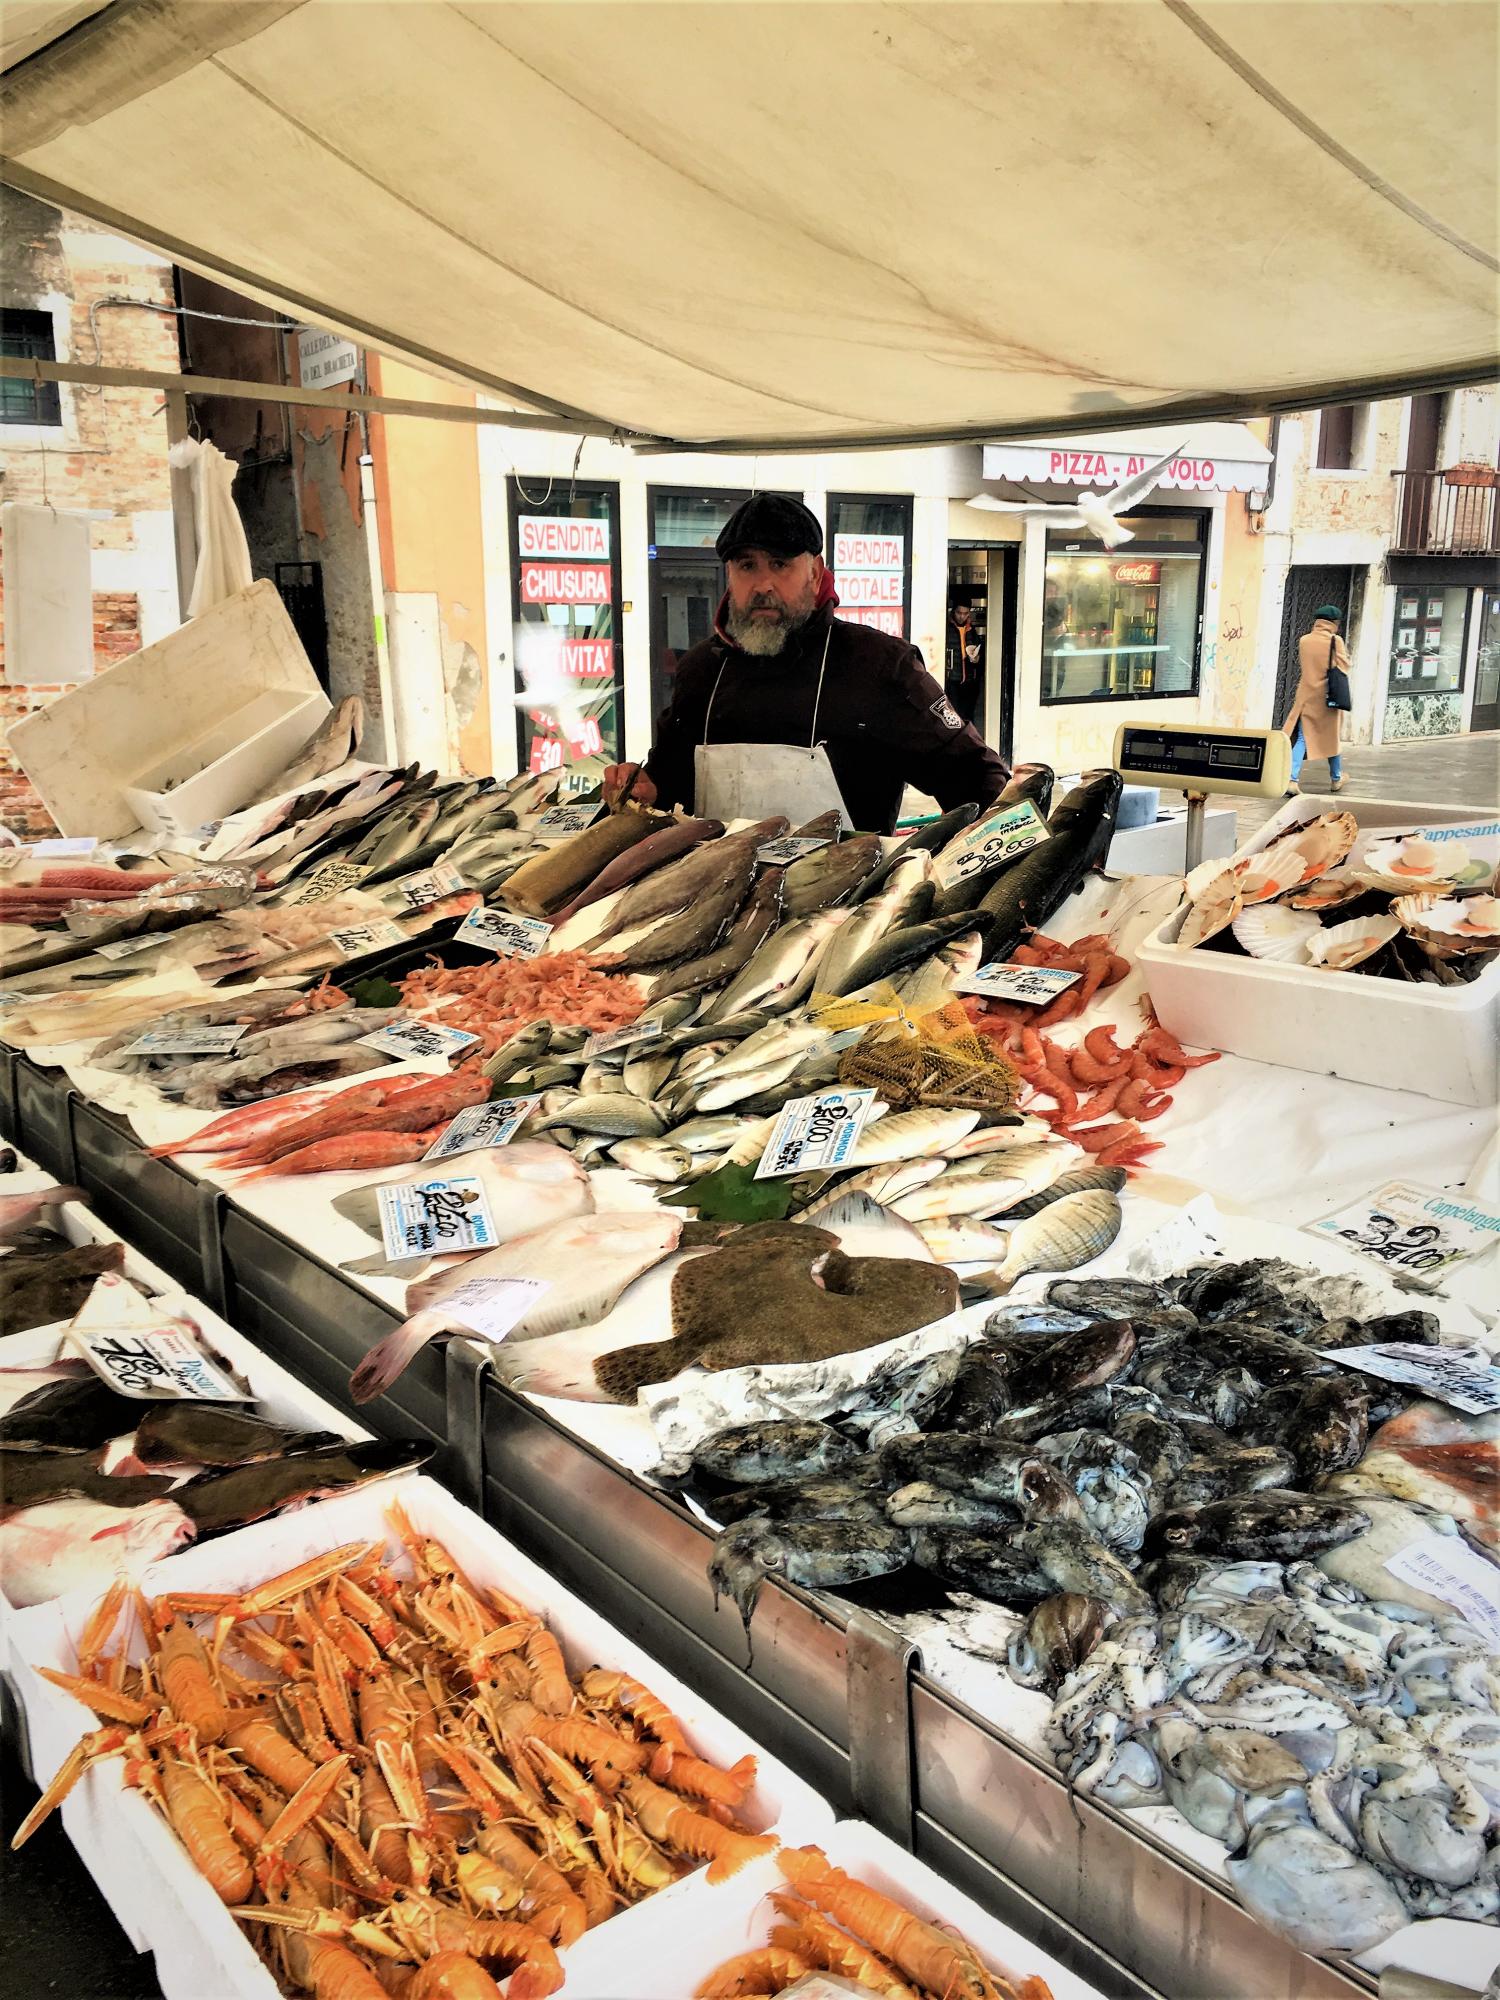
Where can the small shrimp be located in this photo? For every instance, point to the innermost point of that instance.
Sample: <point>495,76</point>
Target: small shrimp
<point>1162,1047</point>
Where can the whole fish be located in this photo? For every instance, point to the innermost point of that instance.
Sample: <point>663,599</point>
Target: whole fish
<point>410,1105</point>
<point>76,1414</point>
<point>696,929</point>
<point>816,1554</point>
<point>563,1364</point>
<point>528,1184</point>
<point>652,1159</point>
<point>1077,1180</point>
<point>961,1240</point>
<point>243,1493</point>
<point>965,891</point>
<point>540,885</point>
<point>76,1544</point>
<point>930,986</point>
<point>675,886</point>
<point>403,837</point>
<point>584,1265</point>
<point>1065,1234</point>
<point>520,1052</point>
<point>927,839</point>
<point>211,1434</point>
<point>1026,895</point>
<point>348,1153</point>
<point>907,1135</point>
<point>613,1115</point>
<point>18,1212</point>
<point>275,1076</point>
<point>868,923</point>
<point>783,971</point>
<point>899,950</point>
<point>829,874</point>
<point>826,826</point>
<point>672,840</point>
<point>983,1185</point>
<point>38,1290</point>
<point>757,918</point>
<point>331,744</point>
<point>31,1478</point>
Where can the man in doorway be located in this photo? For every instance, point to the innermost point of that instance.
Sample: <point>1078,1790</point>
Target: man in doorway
<point>965,664</point>
<point>788,709</point>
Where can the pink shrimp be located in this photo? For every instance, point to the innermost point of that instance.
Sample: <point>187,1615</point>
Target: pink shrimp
<point>1104,1138</point>
<point>1164,1048</point>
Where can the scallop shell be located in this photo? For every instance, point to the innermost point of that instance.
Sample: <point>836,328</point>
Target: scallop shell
<point>1327,892</point>
<point>1344,945</point>
<point>1269,930</point>
<point>1413,862</point>
<point>1298,857</point>
<point>1326,841</point>
<point>1215,907</point>
<point>1271,873</point>
<point>1451,924</point>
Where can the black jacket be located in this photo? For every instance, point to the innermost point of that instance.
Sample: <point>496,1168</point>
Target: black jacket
<point>884,719</point>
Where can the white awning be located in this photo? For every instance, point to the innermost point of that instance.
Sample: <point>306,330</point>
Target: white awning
<point>750,225</point>
<point>1208,458</point>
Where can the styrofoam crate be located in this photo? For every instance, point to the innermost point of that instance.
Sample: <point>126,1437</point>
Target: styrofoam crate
<point>143,1870</point>
<point>210,778</point>
<point>1442,1041</point>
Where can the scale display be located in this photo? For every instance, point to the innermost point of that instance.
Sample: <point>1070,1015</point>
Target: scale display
<point>1184,757</point>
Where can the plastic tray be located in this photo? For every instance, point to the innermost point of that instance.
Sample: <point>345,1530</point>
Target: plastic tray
<point>143,1871</point>
<point>1443,1041</point>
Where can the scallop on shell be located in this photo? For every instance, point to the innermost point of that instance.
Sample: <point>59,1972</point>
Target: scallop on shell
<point>1451,924</point>
<point>1298,857</point>
<point>1328,891</point>
<point>1413,862</point>
<point>1326,841</point>
<point>1349,944</point>
<point>1216,905</point>
<point>1270,931</point>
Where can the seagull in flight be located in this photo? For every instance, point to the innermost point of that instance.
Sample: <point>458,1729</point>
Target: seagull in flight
<point>1095,511</point>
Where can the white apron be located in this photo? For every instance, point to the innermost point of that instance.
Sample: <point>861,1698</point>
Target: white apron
<point>757,780</point>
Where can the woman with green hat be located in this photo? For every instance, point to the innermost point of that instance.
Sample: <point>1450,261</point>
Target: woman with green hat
<point>1312,725</point>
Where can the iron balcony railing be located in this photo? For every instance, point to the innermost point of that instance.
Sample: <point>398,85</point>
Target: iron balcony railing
<point>1443,514</point>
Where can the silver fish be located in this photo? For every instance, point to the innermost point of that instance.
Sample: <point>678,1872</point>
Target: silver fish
<point>520,1052</point>
<point>331,744</point>
<point>909,1135</point>
<point>1064,1235</point>
<point>781,972</point>
<point>653,1159</point>
<point>615,1115</point>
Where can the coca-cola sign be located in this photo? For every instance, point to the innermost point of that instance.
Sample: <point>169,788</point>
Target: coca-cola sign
<point>1136,572</point>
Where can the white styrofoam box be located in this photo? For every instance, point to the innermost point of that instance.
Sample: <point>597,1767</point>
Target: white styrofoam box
<point>83,749</point>
<point>138,1863</point>
<point>49,601</point>
<point>1442,1041</point>
<point>674,1951</point>
<point>210,778</point>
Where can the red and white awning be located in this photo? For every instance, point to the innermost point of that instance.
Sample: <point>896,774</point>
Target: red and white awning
<point>1209,458</point>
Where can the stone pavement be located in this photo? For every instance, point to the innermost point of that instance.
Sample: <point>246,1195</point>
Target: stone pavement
<point>1434,770</point>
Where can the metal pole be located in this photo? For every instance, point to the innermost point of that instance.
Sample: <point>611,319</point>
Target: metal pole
<point>1196,802</point>
<point>377,593</point>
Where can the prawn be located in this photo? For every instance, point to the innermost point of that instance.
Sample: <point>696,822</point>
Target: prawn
<point>1098,1139</point>
<point>620,1692</point>
<point>201,1823</point>
<point>1159,1046</point>
<point>832,1951</point>
<point>682,1772</point>
<point>766,1970</point>
<point>187,1682</point>
<point>663,1817</point>
<point>451,1975</point>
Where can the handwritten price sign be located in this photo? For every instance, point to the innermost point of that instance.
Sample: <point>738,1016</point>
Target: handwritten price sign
<point>419,1218</point>
<point>1413,1230</point>
<point>507,936</point>
<point>815,1132</point>
<point>1034,984</point>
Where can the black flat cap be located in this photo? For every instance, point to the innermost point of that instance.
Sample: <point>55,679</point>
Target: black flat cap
<point>772,522</point>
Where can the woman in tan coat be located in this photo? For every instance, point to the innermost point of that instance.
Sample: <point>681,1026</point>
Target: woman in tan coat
<point>1312,725</point>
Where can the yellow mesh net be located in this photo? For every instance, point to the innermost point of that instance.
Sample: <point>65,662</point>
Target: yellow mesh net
<point>936,1059</point>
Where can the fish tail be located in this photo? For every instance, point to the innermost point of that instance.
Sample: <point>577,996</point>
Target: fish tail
<point>389,1358</point>
<point>628,1369</point>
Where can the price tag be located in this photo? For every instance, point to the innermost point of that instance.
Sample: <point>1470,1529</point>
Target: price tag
<point>188,1041</point>
<point>424,1039</point>
<point>1035,984</point>
<point>420,1217</point>
<point>61,850</point>
<point>567,819</point>
<point>619,1038</point>
<point>479,1126</point>
<point>354,940</point>
<point>431,886</point>
<point>124,947</point>
<point>130,1346</point>
<point>1412,1230</point>
<point>500,932</point>
<point>1446,1567</point>
<point>815,1132</point>
<point>333,878</point>
<point>1000,837</point>
<point>492,1306</point>
<point>790,847</point>
<point>1462,1376</point>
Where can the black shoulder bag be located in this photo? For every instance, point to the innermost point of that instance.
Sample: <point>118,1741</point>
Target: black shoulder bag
<point>1338,682</point>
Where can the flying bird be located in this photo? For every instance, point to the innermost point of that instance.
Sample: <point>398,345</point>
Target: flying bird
<point>1095,511</point>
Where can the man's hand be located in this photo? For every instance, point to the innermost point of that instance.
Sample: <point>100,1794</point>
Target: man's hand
<point>618,777</point>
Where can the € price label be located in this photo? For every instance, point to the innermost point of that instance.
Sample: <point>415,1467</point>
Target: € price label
<point>124,947</point>
<point>422,1039</point>
<point>989,842</point>
<point>1446,1567</point>
<point>355,940</point>
<point>790,847</point>
<point>334,878</point>
<point>430,886</point>
<point>492,1306</point>
<point>500,932</point>
<point>480,1126</point>
<point>567,819</point>
<point>1412,1230</point>
<point>1035,984</point>
<point>815,1131</point>
<point>1462,1376</point>
<point>619,1038</point>
<point>130,1346</point>
<point>418,1218</point>
<point>188,1041</point>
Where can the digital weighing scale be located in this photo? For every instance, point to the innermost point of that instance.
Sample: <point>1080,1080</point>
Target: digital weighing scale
<point>1184,757</point>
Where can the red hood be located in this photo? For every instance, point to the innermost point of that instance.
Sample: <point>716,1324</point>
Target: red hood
<point>826,595</point>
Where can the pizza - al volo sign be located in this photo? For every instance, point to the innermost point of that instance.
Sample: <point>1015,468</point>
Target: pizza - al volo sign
<point>1099,464</point>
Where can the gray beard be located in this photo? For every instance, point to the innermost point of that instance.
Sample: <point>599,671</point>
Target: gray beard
<point>758,638</point>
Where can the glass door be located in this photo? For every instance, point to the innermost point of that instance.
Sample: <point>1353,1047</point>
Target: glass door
<point>1486,713</point>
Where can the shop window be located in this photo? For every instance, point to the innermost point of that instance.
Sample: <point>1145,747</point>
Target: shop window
<point>565,586</point>
<point>869,552</point>
<point>1427,640</point>
<point>28,336</point>
<point>1123,624</point>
